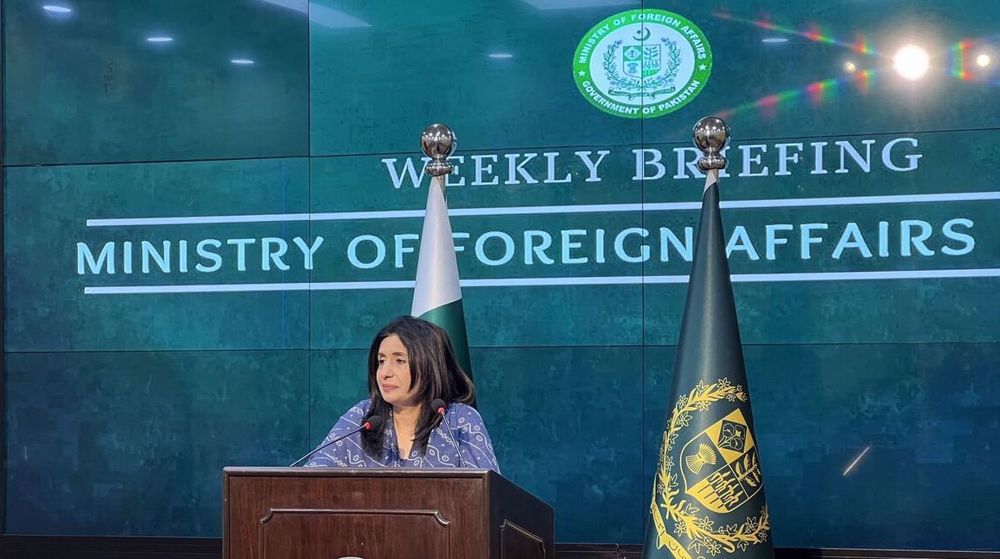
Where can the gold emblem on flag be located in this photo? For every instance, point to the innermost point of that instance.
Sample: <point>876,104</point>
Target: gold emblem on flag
<point>737,479</point>
<point>705,455</point>
<point>720,471</point>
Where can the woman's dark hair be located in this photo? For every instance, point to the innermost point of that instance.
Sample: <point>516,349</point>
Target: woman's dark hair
<point>434,373</point>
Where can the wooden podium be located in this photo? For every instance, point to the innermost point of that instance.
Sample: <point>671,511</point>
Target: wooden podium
<point>327,513</point>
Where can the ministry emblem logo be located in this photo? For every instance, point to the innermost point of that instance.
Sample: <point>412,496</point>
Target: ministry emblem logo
<point>642,63</point>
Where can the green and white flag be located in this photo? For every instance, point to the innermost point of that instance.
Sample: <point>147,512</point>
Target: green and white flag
<point>437,295</point>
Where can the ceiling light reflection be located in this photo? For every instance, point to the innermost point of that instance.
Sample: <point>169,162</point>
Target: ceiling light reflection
<point>56,9</point>
<point>911,62</point>
<point>983,60</point>
<point>241,61</point>
<point>159,39</point>
<point>500,55</point>
<point>774,40</point>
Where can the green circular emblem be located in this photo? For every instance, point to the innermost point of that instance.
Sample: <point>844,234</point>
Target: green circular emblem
<point>642,63</point>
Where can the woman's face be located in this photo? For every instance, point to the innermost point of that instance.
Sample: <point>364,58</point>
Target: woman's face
<point>393,373</point>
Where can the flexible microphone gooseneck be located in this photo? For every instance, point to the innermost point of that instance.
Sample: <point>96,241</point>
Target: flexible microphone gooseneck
<point>373,422</point>
<point>440,408</point>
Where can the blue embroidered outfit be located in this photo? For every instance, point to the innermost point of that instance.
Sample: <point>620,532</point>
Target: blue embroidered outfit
<point>466,425</point>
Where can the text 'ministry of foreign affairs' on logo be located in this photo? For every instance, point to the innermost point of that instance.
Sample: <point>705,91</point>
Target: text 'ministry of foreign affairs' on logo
<point>642,63</point>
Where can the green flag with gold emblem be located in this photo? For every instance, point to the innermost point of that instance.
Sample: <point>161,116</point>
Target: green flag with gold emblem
<point>708,493</point>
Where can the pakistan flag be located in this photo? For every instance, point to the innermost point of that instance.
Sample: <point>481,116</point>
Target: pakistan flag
<point>437,295</point>
<point>708,493</point>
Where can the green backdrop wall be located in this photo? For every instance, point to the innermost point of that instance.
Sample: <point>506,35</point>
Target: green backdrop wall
<point>210,208</point>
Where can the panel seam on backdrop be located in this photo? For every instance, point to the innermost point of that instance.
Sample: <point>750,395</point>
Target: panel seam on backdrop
<point>493,149</point>
<point>309,361</point>
<point>499,347</point>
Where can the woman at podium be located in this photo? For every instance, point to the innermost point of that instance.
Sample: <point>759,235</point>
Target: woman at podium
<point>417,414</point>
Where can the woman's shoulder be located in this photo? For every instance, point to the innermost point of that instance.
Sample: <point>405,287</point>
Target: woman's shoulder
<point>360,409</point>
<point>464,411</point>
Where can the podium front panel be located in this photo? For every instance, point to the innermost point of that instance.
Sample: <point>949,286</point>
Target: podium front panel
<point>300,513</point>
<point>365,533</point>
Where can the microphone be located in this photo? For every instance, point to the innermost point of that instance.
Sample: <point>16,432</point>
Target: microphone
<point>373,422</point>
<point>440,408</point>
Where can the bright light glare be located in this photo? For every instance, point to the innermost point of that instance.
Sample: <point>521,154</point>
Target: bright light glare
<point>774,40</point>
<point>983,60</point>
<point>850,67</point>
<point>244,61</point>
<point>56,9</point>
<point>911,62</point>
<point>159,39</point>
<point>501,55</point>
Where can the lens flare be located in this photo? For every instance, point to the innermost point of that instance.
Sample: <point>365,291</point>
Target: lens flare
<point>864,80</point>
<point>911,62</point>
<point>959,54</point>
<point>814,33</point>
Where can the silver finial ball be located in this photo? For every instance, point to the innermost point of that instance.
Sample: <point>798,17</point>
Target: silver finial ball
<point>711,134</point>
<point>438,142</point>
